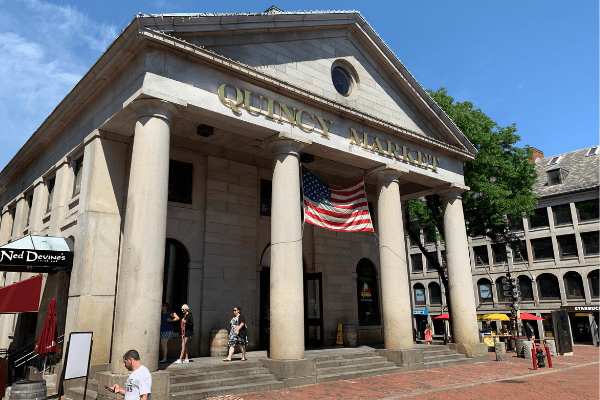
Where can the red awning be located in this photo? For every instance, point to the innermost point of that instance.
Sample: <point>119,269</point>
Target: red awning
<point>23,296</point>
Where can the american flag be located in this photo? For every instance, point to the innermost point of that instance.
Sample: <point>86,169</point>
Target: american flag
<point>335,208</point>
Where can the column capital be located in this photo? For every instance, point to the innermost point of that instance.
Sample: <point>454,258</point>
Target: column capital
<point>151,107</point>
<point>286,146</point>
<point>388,173</point>
<point>452,192</point>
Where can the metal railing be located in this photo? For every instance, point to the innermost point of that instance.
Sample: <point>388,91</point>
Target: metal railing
<point>19,360</point>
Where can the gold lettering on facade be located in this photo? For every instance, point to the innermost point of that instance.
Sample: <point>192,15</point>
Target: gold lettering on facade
<point>299,120</point>
<point>324,126</point>
<point>229,102</point>
<point>294,117</point>
<point>247,101</point>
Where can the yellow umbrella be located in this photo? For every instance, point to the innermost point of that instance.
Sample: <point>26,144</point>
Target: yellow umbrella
<point>493,317</point>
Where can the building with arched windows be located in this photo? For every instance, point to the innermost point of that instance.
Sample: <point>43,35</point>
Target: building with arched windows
<point>559,263</point>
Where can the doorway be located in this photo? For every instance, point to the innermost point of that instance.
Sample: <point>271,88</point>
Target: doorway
<point>313,310</point>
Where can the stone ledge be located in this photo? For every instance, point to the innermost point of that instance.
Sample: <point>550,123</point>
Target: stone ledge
<point>291,369</point>
<point>477,351</point>
<point>408,360</point>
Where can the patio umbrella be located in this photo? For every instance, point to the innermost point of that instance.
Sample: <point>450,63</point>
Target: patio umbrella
<point>530,317</point>
<point>47,342</point>
<point>493,317</point>
<point>443,317</point>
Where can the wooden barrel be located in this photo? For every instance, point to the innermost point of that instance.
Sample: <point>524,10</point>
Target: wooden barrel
<point>349,334</point>
<point>29,390</point>
<point>519,347</point>
<point>218,342</point>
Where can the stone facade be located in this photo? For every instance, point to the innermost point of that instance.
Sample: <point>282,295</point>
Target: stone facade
<point>97,171</point>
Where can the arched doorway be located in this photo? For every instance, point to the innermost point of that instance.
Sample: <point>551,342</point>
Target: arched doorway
<point>367,292</point>
<point>175,278</point>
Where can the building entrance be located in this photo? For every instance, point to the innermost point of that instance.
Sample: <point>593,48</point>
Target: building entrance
<point>313,310</point>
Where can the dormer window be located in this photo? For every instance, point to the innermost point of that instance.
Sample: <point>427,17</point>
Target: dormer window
<point>593,151</point>
<point>556,176</point>
<point>554,160</point>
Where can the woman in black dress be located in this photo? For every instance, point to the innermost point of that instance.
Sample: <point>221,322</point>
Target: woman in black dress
<point>187,331</point>
<point>237,334</point>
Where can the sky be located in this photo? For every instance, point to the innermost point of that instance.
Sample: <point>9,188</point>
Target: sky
<point>530,63</point>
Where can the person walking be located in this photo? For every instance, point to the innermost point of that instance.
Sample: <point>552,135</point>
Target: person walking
<point>529,330</point>
<point>166,329</point>
<point>187,331</point>
<point>237,334</point>
<point>428,334</point>
<point>139,384</point>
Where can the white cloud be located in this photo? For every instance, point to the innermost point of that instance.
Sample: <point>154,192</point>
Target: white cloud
<point>46,49</point>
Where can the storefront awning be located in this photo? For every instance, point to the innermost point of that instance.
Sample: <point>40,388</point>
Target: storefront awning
<point>37,254</point>
<point>23,296</point>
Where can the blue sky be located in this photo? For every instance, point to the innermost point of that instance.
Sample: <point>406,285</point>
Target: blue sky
<point>532,63</point>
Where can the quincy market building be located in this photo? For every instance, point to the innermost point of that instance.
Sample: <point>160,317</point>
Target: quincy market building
<point>174,166</point>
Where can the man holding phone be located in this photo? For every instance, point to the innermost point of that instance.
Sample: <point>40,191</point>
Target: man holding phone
<point>139,383</point>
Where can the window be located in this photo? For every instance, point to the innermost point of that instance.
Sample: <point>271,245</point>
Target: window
<point>539,219</point>
<point>419,290</point>
<point>573,285</point>
<point>548,287</point>
<point>368,300</point>
<point>175,276</point>
<point>593,151</point>
<point>77,167</point>
<point>554,160</point>
<point>562,214</point>
<point>435,293</point>
<point>480,253</point>
<point>429,237</point>
<point>567,246</point>
<point>180,181</point>
<point>341,81</point>
<point>29,202</point>
<point>587,209</point>
<point>13,214</point>
<point>555,177</point>
<point>594,277</point>
<point>417,262</point>
<point>412,241</point>
<point>590,243</point>
<point>50,189</point>
<point>520,255</point>
<point>542,248</point>
<point>516,223</point>
<point>499,251</point>
<point>266,190</point>
<point>525,288</point>
<point>430,266</point>
<point>485,291</point>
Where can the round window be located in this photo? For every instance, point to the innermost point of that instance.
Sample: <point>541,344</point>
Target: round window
<point>341,81</point>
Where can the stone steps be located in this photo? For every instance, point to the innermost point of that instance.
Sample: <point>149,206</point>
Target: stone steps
<point>228,390</point>
<point>220,382</point>
<point>76,393</point>
<point>195,377</point>
<point>443,357</point>
<point>352,366</point>
<point>340,376</point>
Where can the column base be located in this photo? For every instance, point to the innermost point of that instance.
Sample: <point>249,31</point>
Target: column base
<point>161,384</point>
<point>292,372</point>
<point>478,351</point>
<point>408,360</point>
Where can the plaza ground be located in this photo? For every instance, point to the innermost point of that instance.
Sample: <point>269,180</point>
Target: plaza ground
<point>573,377</point>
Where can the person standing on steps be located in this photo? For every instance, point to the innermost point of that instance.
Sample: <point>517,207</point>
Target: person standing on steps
<point>237,334</point>
<point>428,334</point>
<point>187,331</point>
<point>139,384</point>
<point>166,329</point>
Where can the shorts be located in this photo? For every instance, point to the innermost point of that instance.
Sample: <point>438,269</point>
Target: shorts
<point>189,334</point>
<point>166,335</point>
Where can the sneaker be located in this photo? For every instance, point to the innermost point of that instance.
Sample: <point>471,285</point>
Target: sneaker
<point>186,361</point>
<point>178,362</point>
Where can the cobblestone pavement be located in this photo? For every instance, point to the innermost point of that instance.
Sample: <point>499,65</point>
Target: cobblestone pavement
<point>573,377</point>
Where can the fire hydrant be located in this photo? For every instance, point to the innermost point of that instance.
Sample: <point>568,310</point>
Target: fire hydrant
<point>539,354</point>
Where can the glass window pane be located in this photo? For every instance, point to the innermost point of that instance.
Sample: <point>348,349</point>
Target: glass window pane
<point>341,81</point>
<point>435,294</point>
<point>525,288</point>
<point>417,262</point>
<point>433,254</point>
<point>539,219</point>
<point>542,248</point>
<point>516,223</point>
<point>587,209</point>
<point>594,278</point>
<point>266,189</point>
<point>574,285</point>
<point>419,294</point>
<point>520,255</point>
<point>50,189</point>
<point>548,287</point>
<point>562,214</point>
<point>180,182</point>
<point>567,245</point>
<point>368,306</point>
<point>500,290</point>
<point>485,292</point>
<point>590,242</point>
<point>480,254</point>
<point>499,253</point>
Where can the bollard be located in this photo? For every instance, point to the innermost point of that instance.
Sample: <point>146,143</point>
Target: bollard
<point>534,359</point>
<point>549,358</point>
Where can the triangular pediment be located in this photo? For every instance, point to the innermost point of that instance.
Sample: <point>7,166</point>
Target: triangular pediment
<point>304,51</point>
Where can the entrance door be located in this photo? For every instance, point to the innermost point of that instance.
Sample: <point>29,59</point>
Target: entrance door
<point>313,310</point>
<point>265,307</point>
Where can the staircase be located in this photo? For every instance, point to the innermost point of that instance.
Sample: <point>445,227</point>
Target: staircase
<point>352,366</point>
<point>442,356</point>
<point>76,393</point>
<point>235,377</point>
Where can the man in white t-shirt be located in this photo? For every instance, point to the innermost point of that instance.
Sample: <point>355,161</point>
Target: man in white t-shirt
<point>139,383</point>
